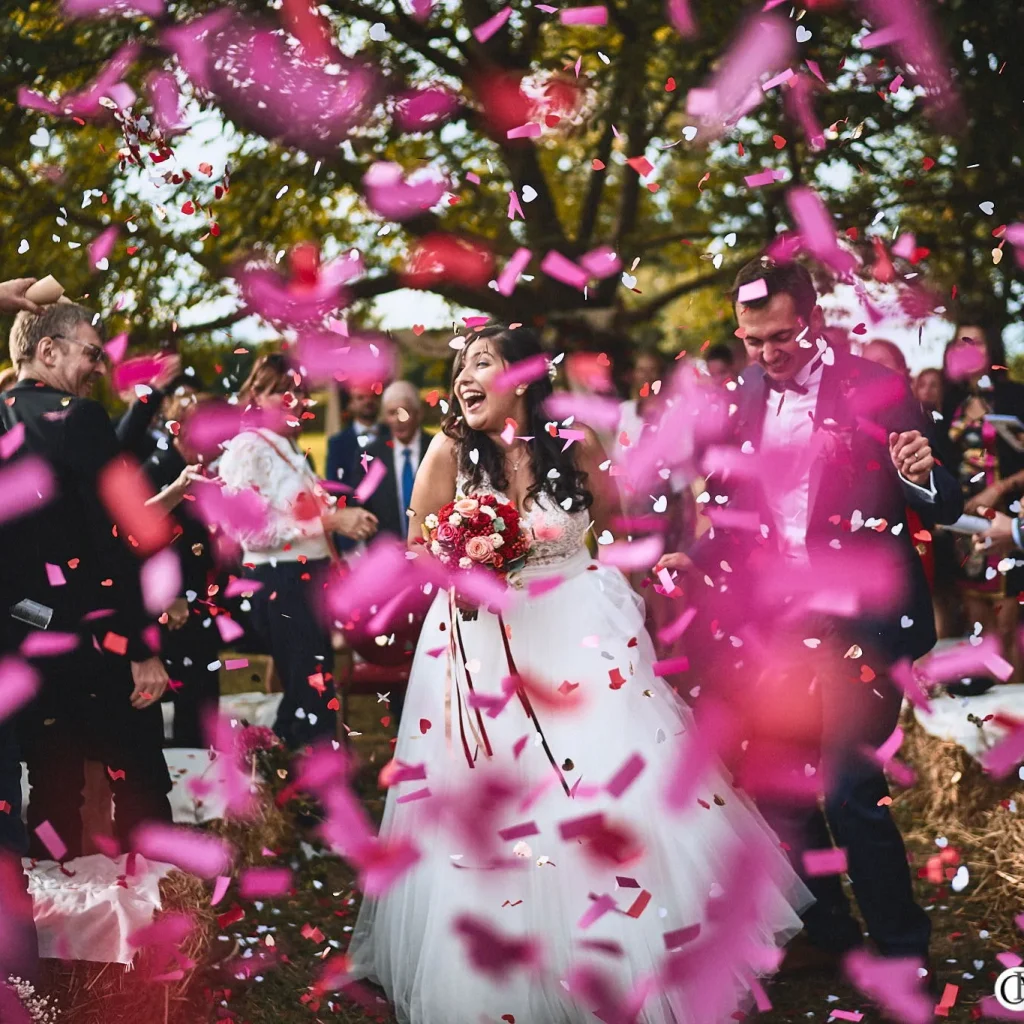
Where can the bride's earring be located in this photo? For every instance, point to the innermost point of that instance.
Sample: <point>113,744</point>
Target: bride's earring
<point>520,391</point>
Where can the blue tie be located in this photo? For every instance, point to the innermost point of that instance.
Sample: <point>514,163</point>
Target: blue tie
<point>408,475</point>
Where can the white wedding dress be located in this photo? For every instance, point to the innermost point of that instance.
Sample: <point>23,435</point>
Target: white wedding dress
<point>531,883</point>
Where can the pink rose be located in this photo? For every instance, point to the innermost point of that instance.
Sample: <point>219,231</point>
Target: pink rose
<point>467,507</point>
<point>447,534</point>
<point>480,549</point>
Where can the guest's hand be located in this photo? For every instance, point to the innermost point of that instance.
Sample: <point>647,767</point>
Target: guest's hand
<point>12,296</point>
<point>355,523</point>
<point>674,560</point>
<point>177,615</point>
<point>997,540</point>
<point>173,494</point>
<point>150,678</point>
<point>170,367</point>
<point>988,498</point>
<point>911,454</point>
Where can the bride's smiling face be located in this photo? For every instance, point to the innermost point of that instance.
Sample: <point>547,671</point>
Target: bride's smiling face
<point>484,407</point>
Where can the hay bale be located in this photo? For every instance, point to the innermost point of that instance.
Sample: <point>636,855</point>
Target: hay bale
<point>951,788</point>
<point>268,829</point>
<point>95,993</point>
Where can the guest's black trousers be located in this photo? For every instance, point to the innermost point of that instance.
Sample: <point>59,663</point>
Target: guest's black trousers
<point>84,712</point>
<point>187,654</point>
<point>286,617</point>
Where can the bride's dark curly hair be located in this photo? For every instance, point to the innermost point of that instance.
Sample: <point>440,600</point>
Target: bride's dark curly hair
<point>515,345</point>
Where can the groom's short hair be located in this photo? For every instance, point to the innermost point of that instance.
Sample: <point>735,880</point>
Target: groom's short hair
<point>790,278</point>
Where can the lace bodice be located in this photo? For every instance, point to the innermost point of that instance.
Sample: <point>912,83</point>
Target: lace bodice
<point>558,534</point>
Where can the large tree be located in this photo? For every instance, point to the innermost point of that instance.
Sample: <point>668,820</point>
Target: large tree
<point>885,163</point>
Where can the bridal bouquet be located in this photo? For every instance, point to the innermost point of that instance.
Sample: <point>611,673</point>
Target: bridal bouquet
<point>479,530</point>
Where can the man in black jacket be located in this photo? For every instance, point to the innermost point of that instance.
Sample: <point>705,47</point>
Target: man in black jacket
<point>101,698</point>
<point>820,596</point>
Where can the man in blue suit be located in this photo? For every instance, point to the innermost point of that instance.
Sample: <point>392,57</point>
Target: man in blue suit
<point>345,448</point>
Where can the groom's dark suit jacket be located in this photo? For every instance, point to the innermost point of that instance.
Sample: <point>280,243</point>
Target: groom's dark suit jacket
<point>859,404</point>
<point>74,531</point>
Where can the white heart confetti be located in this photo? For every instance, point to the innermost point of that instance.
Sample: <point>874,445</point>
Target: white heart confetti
<point>23,247</point>
<point>987,208</point>
<point>378,33</point>
<point>628,280</point>
<point>906,622</point>
<point>605,538</point>
<point>103,264</point>
<point>689,133</point>
<point>528,194</point>
<point>961,879</point>
<point>40,138</point>
<point>802,34</point>
<point>661,504</point>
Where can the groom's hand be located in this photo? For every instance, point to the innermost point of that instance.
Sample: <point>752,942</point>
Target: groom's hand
<point>911,454</point>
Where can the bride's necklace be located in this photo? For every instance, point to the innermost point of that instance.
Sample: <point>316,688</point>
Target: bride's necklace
<point>516,463</point>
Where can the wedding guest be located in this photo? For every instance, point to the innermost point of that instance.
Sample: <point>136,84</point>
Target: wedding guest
<point>101,697</point>
<point>400,455</point>
<point>189,640</point>
<point>991,473</point>
<point>289,554</point>
<point>888,354</point>
<point>721,364</point>
<point>807,408</point>
<point>649,366</point>
<point>928,390</point>
<point>345,449</point>
<point>141,427</point>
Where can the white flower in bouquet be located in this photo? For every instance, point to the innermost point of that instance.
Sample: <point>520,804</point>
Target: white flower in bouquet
<point>465,563</point>
<point>435,548</point>
<point>488,511</point>
<point>455,519</point>
<point>497,540</point>
<point>431,521</point>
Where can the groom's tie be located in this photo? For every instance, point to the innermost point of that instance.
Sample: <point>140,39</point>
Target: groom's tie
<point>782,386</point>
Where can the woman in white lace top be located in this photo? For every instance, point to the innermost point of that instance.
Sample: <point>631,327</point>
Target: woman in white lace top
<point>286,549</point>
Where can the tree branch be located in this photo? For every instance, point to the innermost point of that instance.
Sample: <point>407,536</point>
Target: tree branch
<point>641,314</point>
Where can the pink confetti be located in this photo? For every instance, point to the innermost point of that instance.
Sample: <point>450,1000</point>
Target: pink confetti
<point>887,751</point>
<point>597,412</point>
<point>104,8</point>
<point>142,370</point>
<point>530,130</point>
<point>599,906</point>
<point>55,575</point>
<point>752,290</point>
<point>486,29</point>
<point>264,883</point>
<point>220,887</point>
<point>674,630</point>
<point>680,17</point>
<point>670,666</point>
<point>813,67</point>
<point>233,664</point>
<point>896,83</point>
<point>26,485</point>
<point>199,853</point>
<point>102,246</point>
<point>601,262</point>
<point>419,110</point>
<point>801,108</point>
<point>492,953</point>
<point>1008,753</point>
<point>523,372</point>
<point>360,360</point>
<point>19,684</point>
<point>778,80</point>
<point>45,644</point>
<point>824,862</point>
<point>514,832</point>
<point>1008,959</point>
<point>49,838</point>
<point>509,275</point>
<point>562,269</point>
<point>165,99</point>
<point>817,229</point>
<point>161,581</point>
<point>626,775</point>
<point>229,630</point>
<point>397,197</point>
<point>893,982</point>
<point>12,440</point>
<point>514,208</point>
<point>847,1015</point>
<point>766,177</point>
<point>596,15</point>
<point>416,794</point>
<point>632,555</point>
<point>374,475</point>
<point>765,44</point>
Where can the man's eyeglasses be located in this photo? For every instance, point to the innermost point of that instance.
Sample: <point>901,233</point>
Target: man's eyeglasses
<point>94,352</point>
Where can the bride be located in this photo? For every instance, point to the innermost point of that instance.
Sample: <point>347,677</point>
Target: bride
<point>558,876</point>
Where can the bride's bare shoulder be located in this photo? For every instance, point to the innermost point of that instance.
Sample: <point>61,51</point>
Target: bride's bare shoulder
<point>442,454</point>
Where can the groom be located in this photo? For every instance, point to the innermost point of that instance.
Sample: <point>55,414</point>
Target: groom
<point>839,449</point>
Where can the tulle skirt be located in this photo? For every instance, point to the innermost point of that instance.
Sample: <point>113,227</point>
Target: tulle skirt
<point>541,906</point>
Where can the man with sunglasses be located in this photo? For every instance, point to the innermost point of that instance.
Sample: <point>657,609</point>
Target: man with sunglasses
<point>101,698</point>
